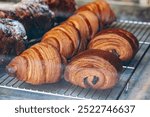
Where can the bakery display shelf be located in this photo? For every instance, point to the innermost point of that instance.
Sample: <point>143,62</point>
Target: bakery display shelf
<point>64,90</point>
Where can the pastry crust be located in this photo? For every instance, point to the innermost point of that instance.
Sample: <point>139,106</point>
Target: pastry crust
<point>41,64</point>
<point>118,41</point>
<point>93,69</point>
<point>102,10</point>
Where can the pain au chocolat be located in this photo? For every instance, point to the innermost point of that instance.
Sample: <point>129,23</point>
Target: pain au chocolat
<point>96,69</point>
<point>39,64</point>
<point>118,41</point>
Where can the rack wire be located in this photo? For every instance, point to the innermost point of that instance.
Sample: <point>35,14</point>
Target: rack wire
<point>66,90</point>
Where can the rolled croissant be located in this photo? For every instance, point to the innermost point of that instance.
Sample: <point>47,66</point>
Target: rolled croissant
<point>93,69</point>
<point>118,41</point>
<point>38,65</point>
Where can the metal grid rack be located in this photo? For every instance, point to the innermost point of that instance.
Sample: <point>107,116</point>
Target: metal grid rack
<point>66,90</point>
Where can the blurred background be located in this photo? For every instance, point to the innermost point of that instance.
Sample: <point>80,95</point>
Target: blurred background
<point>136,10</point>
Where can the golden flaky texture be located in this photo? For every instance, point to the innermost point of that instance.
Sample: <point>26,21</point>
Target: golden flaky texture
<point>93,69</point>
<point>72,36</point>
<point>65,40</point>
<point>38,65</point>
<point>102,10</point>
<point>118,41</point>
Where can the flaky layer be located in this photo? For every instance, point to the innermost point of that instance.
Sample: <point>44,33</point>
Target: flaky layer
<point>93,69</point>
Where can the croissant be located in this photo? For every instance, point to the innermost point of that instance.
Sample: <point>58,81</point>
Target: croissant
<point>102,10</point>
<point>118,41</point>
<point>95,69</point>
<point>73,35</point>
<point>38,65</point>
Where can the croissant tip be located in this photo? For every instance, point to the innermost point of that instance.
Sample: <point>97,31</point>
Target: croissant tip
<point>11,70</point>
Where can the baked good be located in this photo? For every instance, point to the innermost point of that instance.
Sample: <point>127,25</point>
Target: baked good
<point>63,42</point>
<point>65,38</point>
<point>39,64</point>
<point>118,41</point>
<point>103,11</point>
<point>38,16</point>
<point>92,22</point>
<point>12,39</point>
<point>72,36</point>
<point>95,69</point>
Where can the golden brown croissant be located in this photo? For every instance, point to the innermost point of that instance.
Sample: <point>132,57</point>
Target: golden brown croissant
<point>87,25</point>
<point>38,65</point>
<point>118,41</point>
<point>94,69</point>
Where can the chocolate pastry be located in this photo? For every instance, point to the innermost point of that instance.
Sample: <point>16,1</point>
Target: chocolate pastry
<point>103,11</point>
<point>38,16</point>
<point>95,69</point>
<point>12,39</point>
<point>38,65</point>
<point>118,41</point>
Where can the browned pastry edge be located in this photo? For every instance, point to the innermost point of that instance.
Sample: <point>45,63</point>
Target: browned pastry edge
<point>114,60</point>
<point>30,73</point>
<point>125,34</point>
<point>84,71</point>
<point>93,9</point>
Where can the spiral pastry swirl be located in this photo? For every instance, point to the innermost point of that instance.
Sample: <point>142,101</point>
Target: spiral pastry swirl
<point>93,69</point>
<point>118,41</point>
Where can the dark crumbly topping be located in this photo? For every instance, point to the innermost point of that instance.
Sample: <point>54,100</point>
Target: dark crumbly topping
<point>13,28</point>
